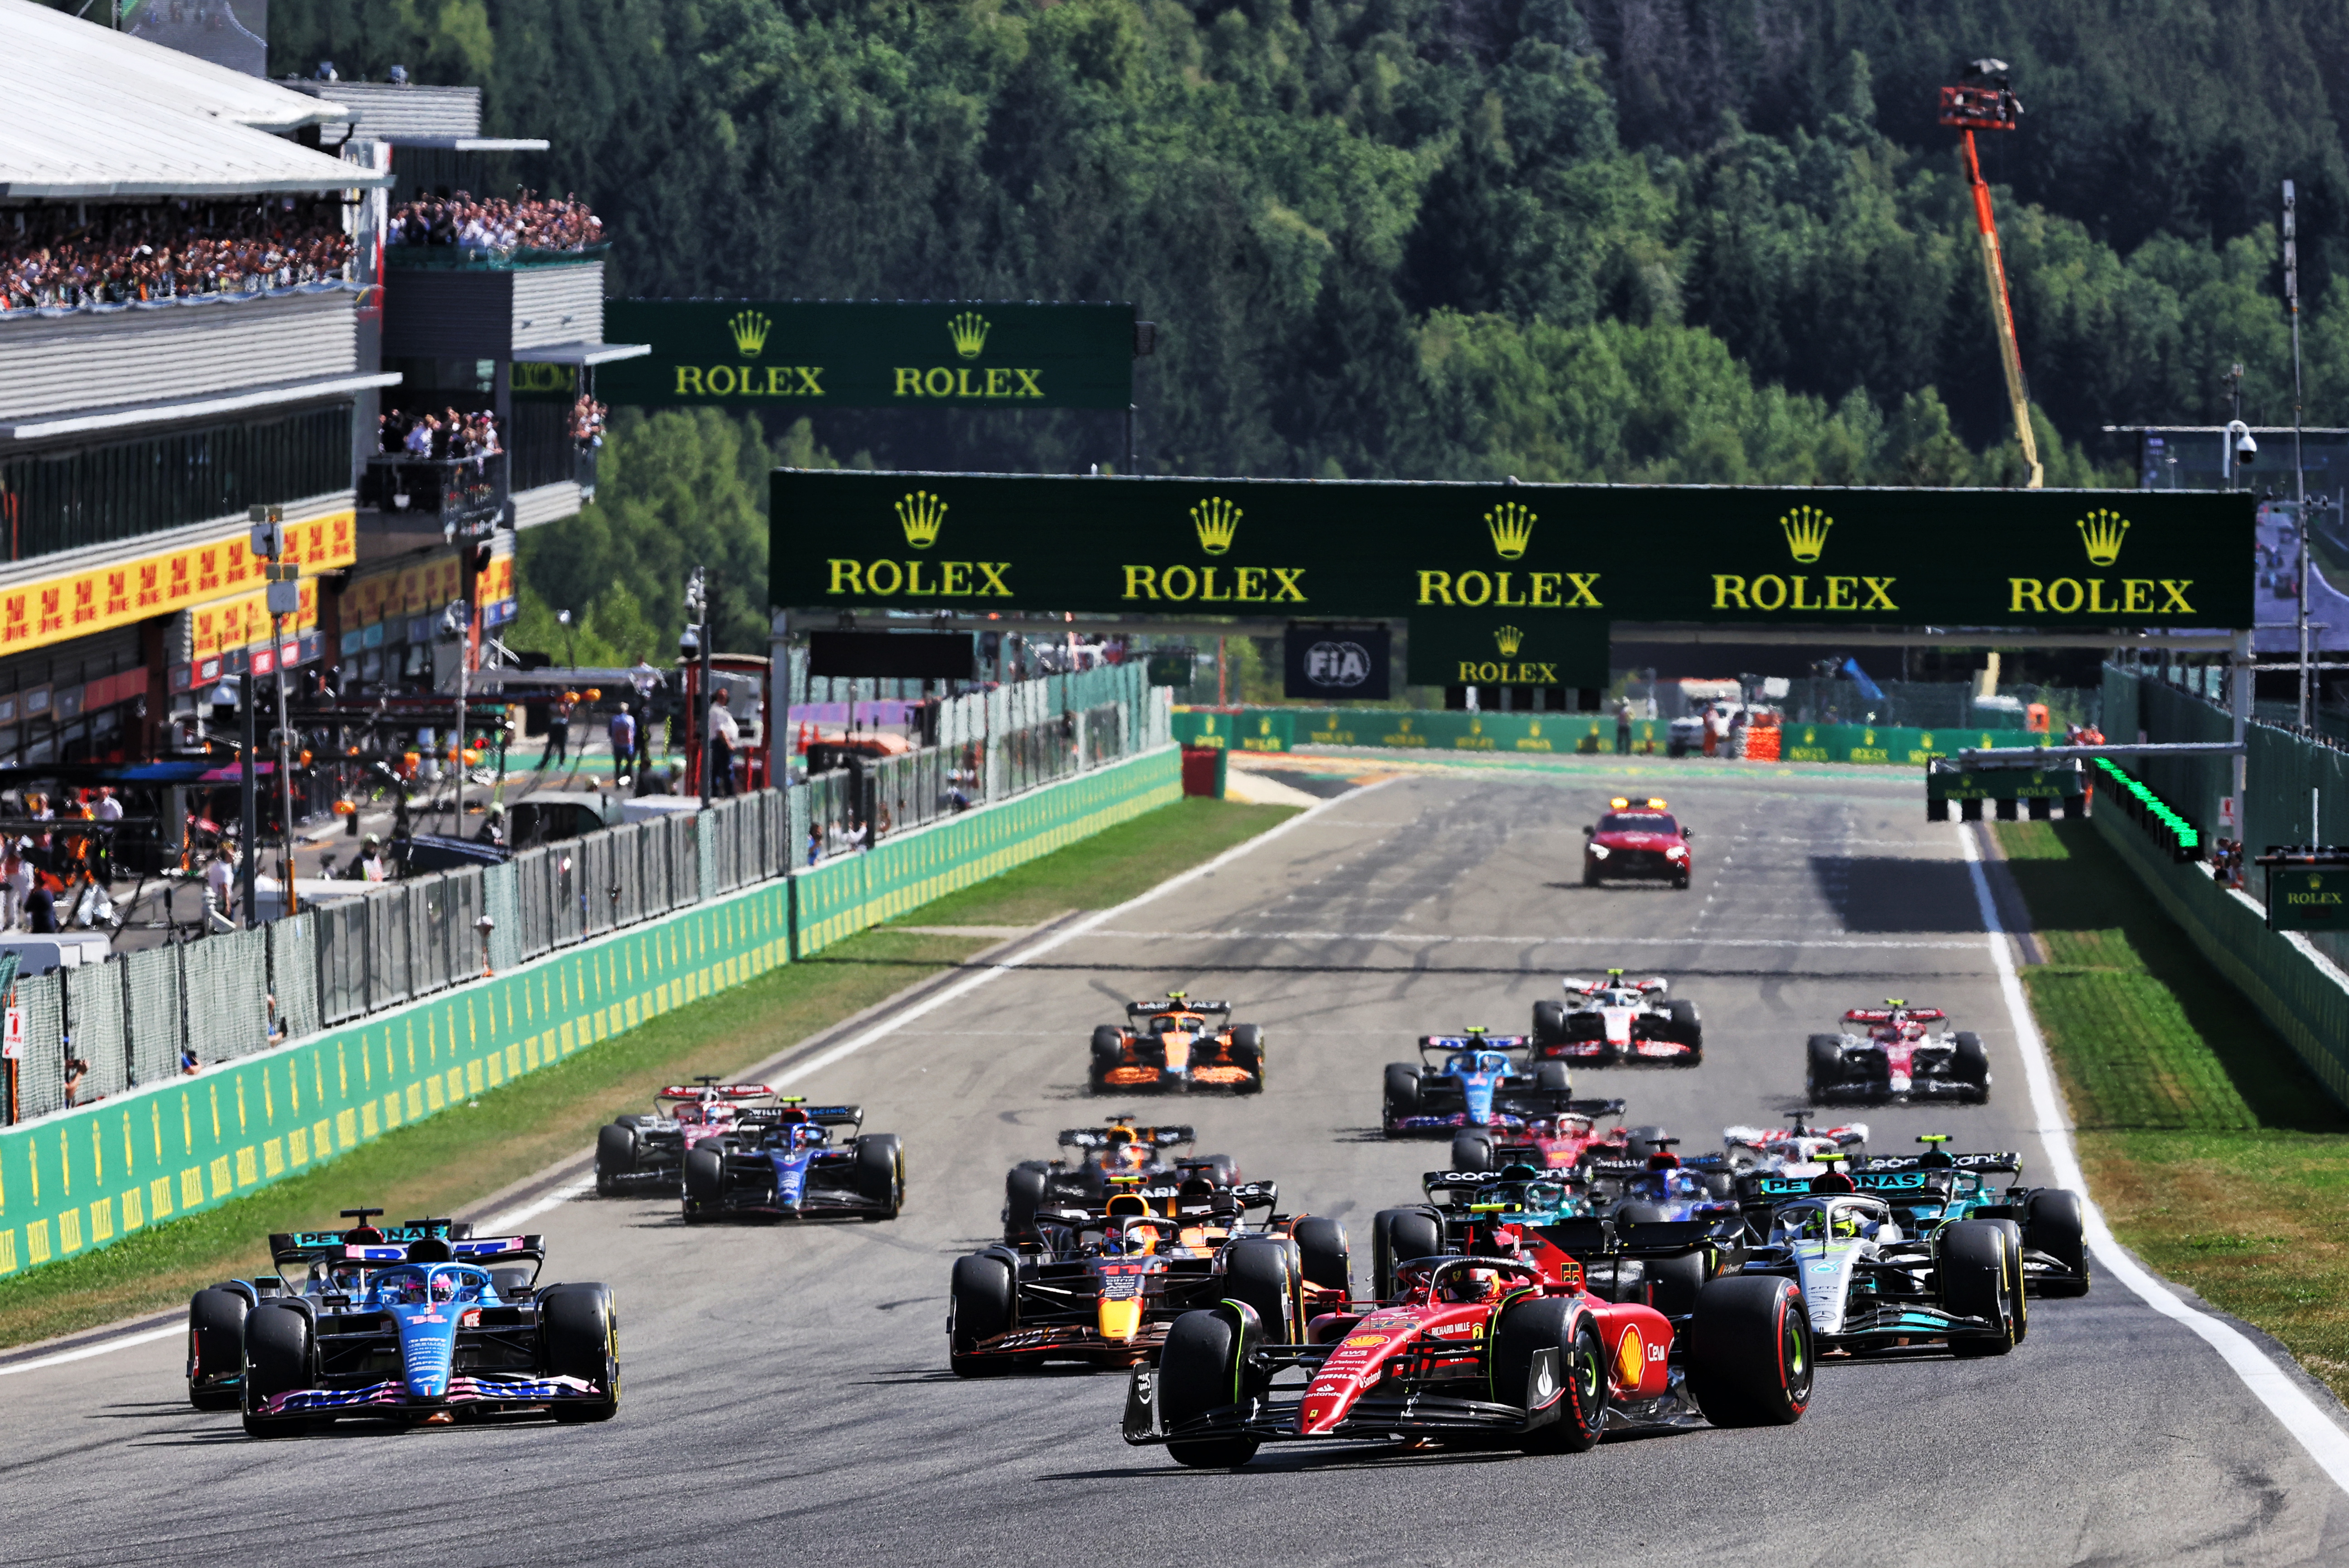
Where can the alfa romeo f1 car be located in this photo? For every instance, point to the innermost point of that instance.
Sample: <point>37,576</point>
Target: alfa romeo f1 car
<point>1636,839</point>
<point>779,1162</point>
<point>651,1150</point>
<point>1100,1286</point>
<point>1119,1148</point>
<point>1567,1140</point>
<point>217,1314</point>
<point>1794,1150</point>
<point>1178,1045</point>
<point>1508,1350</point>
<point>1894,1053</point>
<point>1614,1020</point>
<point>439,1329</point>
<point>1935,1189</point>
<point>1477,1085</point>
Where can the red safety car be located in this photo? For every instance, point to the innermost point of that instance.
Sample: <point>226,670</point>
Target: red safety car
<point>1896,1053</point>
<point>1637,839</point>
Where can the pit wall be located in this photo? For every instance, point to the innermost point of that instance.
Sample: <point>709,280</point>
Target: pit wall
<point>88,1177</point>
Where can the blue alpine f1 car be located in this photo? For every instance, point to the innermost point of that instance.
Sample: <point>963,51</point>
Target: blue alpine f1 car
<point>780,1162</point>
<point>1479,1083</point>
<point>436,1329</point>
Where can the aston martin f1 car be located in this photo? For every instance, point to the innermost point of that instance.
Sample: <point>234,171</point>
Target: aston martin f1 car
<point>1936,1189</point>
<point>779,1162</point>
<point>1479,1083</point>
<point>1100,1286</point>
<point>1178,1045</point>
<point>1566,1140</point>
<point>1893,1053</point>
<point>1121,1147</point>
<point>1614,1020</point>
<point>1793,1151</point>
<point>1872,1286</point>
<point>439,1329</point>
<point>217,1314</point>
<point>1509,1350</point>
<point>651,1150</point>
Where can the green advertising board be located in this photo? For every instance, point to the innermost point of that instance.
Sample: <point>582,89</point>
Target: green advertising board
<point>870,354</point>
<point>2307,898</point>
<point>1541,557</point>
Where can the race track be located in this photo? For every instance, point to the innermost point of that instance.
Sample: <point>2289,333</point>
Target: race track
<point>786,1391</point>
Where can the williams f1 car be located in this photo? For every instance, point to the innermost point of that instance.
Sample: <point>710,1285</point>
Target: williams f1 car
<point>1476,1084</point>
<point>1794,1150</point>
<point>1100,1286</point>
<point>651,1150</point>
<point>441,1329</point>
<point>1894,1053</point>
<point>779,1162</point>
<point>1119,1148</point>
<point>1178,1045</point>
<point>1614,1020</point>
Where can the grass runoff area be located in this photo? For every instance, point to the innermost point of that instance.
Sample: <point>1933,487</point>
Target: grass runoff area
<point>441,1164</point>
<point>2216,1155</point>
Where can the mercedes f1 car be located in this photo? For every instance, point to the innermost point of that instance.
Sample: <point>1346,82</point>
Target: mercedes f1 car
<point>1119,1148</point>
<point>779,1162</point>
<point>1178,1045</point>
<point>651,1150</point>
<point>1893,1053</point>
<point>1567,1140</point>
<point>1930,1191</point>
<point>1793,1151</point>
<point>1509,1349</point>
<point>1636,839</point>
<point>1100,1286</point>
<point>1614,1020</point>
<point>217,1314</point>
<point>439,1329</point>
<point>1479,1083</point>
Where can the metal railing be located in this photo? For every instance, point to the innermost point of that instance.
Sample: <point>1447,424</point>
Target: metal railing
<point>467,493</point>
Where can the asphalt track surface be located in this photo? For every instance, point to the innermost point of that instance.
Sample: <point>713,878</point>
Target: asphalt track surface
<point>786,1392</point>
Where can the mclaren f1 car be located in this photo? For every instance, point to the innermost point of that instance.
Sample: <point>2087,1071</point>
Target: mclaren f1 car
<point>780,1162</point>
<point>1178,1045</point>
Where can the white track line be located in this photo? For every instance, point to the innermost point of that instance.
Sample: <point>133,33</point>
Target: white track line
<point>123,1343</point>
<point>511,1222</point>
<point>2290,1404</point>
<point>1420,939</point>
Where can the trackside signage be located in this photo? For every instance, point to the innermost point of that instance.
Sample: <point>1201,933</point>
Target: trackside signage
<point>1540,563</point>
<point>870,354</point>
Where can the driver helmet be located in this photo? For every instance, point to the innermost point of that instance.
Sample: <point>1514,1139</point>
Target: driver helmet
<point>444,1287</point>
<point>1844,1224</point>
<point>1471,1284</point>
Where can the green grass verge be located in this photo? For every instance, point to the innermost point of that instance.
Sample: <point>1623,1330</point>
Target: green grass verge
<point>2212,1150</point>
<point>444,1162</point>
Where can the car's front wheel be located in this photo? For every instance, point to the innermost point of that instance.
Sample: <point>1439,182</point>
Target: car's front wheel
<point>1749,1354</point>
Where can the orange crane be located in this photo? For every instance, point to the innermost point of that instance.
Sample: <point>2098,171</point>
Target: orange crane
<point>1985,102</point>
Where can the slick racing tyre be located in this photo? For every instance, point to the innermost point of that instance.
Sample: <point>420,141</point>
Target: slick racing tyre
<point>1264,1271</point>
<point>1397,1236</point>
<point>1024,1191</point>
<point>1109,1052</point>
<point>1323,1252</point>
<point>881,1174</point>
<point>1472,1150</point>
<point>616,1156</point>
<point>1750,1355</point>
<point>1550,1022</point>
<point>1547,1323</point>
<point>1674,1284</point>
<point>580,1337</point>
<point>277,1358</point>
<point>215,1346</point>
<point>982,1305</point>
<point>1971,1261</point>
<point>1687,1028</point>
<point>705,1177</point>
<point>1198,1370</point>
<point>1823,1071</point>
<point>1970,1066</point>
<point>1552,1078</point>
<point>2052,1225</point>
<point>1247,1051</point>
<point>2018,1305</point>
<point>1402,1092</point>
<point>1642,1141</point>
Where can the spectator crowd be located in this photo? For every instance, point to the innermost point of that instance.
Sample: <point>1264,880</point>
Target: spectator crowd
<point>530,222</point>
<point>75,256</point>
<point>587,421</point>
<point>420,434</point>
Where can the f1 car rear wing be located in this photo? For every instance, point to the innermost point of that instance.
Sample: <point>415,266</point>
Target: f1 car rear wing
<point>484,1250</point>
<point>1886,1015</point>
<point>1247,1194</point>
<point>1470,1181</point>
<point>694,1093</point>
<point>1099,1137</point>
<point>1584,1239</point>
<point>1623,1168</point>
<point>1877,1182</point>
<point>1654,985</point>
<point>1175,1004</point>
<point>2009,1162</point>
<point>308,1244</point>
<point>1471,1042</point>
<point>1845,1137</point>
<point>822,1116</point>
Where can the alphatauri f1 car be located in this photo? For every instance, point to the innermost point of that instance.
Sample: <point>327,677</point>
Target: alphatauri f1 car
<point>1894,1053</point>
<point>1479,1083</point>
<point>1614,1020</point>
<point>1178,1045</point>
<point>779,1162</point>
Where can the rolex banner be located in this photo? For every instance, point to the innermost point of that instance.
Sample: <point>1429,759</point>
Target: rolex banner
<point>870,354</point>
<point>1540,558</point>
<point>1495,648</point>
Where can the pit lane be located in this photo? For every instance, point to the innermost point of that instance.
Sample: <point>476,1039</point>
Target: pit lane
<point>786,1393</point>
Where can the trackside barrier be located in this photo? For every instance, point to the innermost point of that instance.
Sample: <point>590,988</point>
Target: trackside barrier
<point>83,1176</point>
<point>1286,729</point>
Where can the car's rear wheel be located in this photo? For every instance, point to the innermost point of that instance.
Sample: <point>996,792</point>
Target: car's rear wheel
<point>1550,1022</point>
<point>1823,1072</point>
<point>1247,1051</point>
<point>1024,1191</point>
<point>981,1304</point>
<point>1675,1283</point>
<point>1750,1351</point>
<point>616,1156</point>
<point>1198,1369</point>
<point>705,1177</point>
<point>581,1325</point>
<point>215,1347</point>
<point>1969,1064</point>
<point>1108,1050</point>
<point>1323,1252</point>
<point>278,1359</point>
<point>1971,1262</point>
<point>2051,1224</point>
<point>881,1173</point>
<point>1553,1078</point>
<point>1402,1091</point>
<point>1397,1236</point>
<point>1472,1150</point>
<point>1524,1331</point>
<point>1686,1026</point>
<point>1263,1271</point>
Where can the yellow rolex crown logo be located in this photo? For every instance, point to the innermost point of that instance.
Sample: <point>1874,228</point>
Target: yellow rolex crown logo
<point>1508,639</point>
<point>1512,529</point>
<point>750,329</point>
<point>968,331</point>
<point>2102,532</point>
<point>1218,522</point>
<point>922,515</point>
<point>1806,532</point>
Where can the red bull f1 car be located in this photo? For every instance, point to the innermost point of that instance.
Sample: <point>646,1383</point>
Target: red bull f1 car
<point>1636,840</point>
<point>780,1162</point>
<point>1477,1083</point>
<point>1897,1051</point>
<point>1121,1148</point>
<point>438,1329</point>
<point>1618,1020</point>
<point>1178,1045</point>
<point>650,1150</point>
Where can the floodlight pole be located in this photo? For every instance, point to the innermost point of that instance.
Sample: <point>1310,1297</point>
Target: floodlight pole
<point>249,815</point>
<point>2298,470</point>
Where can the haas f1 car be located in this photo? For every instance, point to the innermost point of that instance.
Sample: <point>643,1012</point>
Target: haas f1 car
<point>1101,1286</point>
<point>779,1162</point>
<point>650,1150</point>
<point>439,1328</point>
<point>1614,1020</point>
<point>1797,1150</point>
<point>1896,1053</point>
<point>1122,1149</point>
<point>1479,1083</point>
<point>1178,1045</point>
<point>1636,840</point>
